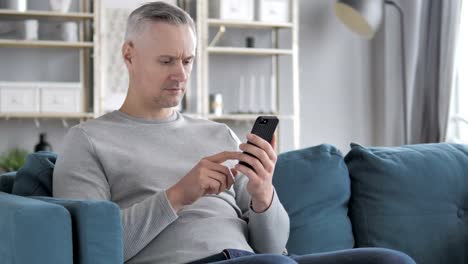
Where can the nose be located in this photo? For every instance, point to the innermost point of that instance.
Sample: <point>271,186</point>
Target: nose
<point>179,72</point>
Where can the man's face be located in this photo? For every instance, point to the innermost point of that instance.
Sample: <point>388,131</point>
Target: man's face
<point>160,61</point>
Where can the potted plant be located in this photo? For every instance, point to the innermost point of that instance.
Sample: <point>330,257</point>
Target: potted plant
<point>13,160</point>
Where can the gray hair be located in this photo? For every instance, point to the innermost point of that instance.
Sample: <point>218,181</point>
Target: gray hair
<point>156,11</point>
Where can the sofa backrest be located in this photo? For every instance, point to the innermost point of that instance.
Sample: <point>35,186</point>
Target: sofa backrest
<point>413,199</point>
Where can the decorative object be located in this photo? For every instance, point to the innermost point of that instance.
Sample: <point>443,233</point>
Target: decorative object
<point>262,108</point>
<point>273,91</point>
<point>13,160</point>
<point>252,99</point>
<point>364,18</point>
<point>232,9</point>
<point>216,104</point>
<point>42,145</point>
<point>17,5</point>
<point>70,31</point>
<point>30,29</point>
<point>241,95</point>
<point>273,11</point>
<point>60,5</point>
<point>250,42</point>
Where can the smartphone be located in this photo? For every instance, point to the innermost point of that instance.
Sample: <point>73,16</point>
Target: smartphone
<point>263,127</point>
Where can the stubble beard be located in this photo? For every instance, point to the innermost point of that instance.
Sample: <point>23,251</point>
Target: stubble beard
<point>168,101</point>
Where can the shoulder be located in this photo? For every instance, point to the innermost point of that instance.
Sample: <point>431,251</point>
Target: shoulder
<point>215,129</point>
<point>97,124</point>
<point>204,123</point>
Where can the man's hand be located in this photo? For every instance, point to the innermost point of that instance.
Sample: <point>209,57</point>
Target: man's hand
<point>207,177</point>
<point>260,186</point>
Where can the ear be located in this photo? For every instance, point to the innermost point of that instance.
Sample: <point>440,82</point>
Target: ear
<point>127,52</point>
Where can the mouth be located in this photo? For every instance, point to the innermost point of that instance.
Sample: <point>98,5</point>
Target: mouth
<point>175,90</point>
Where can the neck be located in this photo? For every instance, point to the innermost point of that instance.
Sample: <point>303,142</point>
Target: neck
<point>139,110</point>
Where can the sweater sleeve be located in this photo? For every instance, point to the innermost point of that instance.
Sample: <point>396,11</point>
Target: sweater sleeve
<point>269,230</point>
<point>78,174</point>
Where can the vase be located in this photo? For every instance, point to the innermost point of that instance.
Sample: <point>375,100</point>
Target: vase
<point>60,5</point>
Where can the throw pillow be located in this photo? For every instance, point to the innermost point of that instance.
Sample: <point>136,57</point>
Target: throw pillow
<point>411,198</point>
<point>313,186</point>
<point>6,181</point>
<point>35,177</point>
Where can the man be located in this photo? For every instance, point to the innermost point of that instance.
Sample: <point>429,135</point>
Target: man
<point>182,195</point>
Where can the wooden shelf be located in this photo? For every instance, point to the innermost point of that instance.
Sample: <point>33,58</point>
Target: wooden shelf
<point>245,117</point>
<point>247,24</point>
<point>46,115</point>
<point>235,117</point>
<point>44,14</point>
<point>44,44</point>
<point>248,51</point>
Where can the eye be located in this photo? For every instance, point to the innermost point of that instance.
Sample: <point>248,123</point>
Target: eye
<point>188,61</point>
<point>165,61</point>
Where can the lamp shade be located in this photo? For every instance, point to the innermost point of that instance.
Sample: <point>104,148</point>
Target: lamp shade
<point>360,16</point>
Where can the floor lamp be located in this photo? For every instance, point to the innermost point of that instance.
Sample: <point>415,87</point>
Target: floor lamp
<point>364,18</point>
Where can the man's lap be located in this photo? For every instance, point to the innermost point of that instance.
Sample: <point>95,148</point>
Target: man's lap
<point>349,256</point>
<point>358,255</point>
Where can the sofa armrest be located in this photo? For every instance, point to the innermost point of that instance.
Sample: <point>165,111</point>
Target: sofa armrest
<point>97,230</point>
<point>33,231</point>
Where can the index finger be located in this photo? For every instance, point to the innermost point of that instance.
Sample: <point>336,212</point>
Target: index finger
<point>223,156</point>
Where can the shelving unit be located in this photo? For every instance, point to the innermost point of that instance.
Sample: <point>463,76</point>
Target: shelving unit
<point>248,51</point>
<point>207,48</point>
<point>47,115</point>
<point>45,44</point>
<point>6,13</point>
<point>247,24</point>
<point>243,117</point>
<point>87,44</point>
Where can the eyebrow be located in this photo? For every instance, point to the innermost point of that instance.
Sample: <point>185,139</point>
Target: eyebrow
<point>174,57</point>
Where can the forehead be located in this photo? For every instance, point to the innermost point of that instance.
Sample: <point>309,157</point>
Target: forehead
<point>165,38</point>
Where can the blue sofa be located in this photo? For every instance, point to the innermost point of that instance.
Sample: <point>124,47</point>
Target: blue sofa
<point>410,198</point>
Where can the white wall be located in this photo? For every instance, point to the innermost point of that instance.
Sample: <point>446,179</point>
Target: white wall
<point>336,104</point>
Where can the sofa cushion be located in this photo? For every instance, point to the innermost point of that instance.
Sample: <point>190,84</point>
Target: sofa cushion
<point>411,198</point>
<point>33,231</point>
<point>97,230</point>
<point>6,181</point>
<point>313,186</point>
<point>35,177</point>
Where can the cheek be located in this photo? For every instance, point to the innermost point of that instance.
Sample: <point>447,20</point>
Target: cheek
<point>188,69</point>
<point>152,72</point>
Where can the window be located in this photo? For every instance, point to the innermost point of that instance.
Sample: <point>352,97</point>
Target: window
<point>458,127</point>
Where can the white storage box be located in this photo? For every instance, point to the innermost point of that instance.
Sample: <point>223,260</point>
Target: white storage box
<point>232,9</point>
<point>18,97</point>
<point>60,97</point>
<point>273,11</point>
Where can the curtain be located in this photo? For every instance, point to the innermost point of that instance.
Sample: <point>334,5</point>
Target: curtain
<point>433,74</point>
